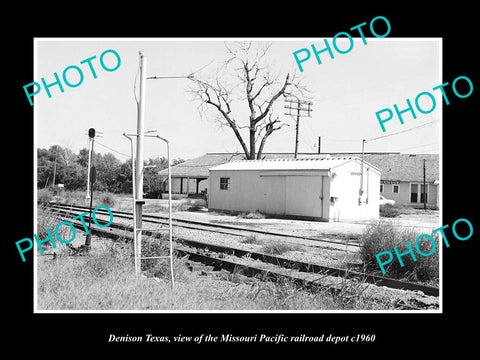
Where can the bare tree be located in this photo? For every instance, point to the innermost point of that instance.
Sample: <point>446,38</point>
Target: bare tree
<point>245,76</point>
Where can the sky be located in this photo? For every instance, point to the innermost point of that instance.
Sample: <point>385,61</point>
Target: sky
<point>346,93</point>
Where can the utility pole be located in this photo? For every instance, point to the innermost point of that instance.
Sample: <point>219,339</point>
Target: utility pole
<point>139,154</point>
<point>303,109</point>
<point>55,165</point>
<point>424,188</point>
<point>319,143</point>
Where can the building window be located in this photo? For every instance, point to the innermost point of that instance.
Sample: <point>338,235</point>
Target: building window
<point>224,183</point>
<point>413,193</point>
<point>381,188</point>
<point>395,188</point>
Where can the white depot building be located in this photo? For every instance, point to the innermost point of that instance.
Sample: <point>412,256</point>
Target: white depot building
<point>322,188</point>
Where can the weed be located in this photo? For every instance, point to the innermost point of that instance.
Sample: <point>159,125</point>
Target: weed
<point>105,280</point>
<point>160,268</point>
<point>47,220</point>
<point>252,239</point>
<point>107,200</point>
<point>383,236</point>
<point>279,248</point>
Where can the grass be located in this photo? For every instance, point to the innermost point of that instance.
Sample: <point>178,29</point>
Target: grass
<point>46,220</point>
<point>252,239</point>
<point>121,202</point>
<point>390,211</point>
<point>77,197</point>
<point>44,196</point>
<point>383,236</point>
<point>279,248</point>
<point>105,280</point>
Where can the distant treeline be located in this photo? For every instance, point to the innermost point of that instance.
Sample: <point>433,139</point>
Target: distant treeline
<point>114,176</point>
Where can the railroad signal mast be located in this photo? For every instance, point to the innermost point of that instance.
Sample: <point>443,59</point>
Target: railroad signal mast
<point>298,108</point>
<point>91,136</point>
<point>91,178</point>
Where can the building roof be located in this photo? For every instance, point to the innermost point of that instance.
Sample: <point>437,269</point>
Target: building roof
<point>405,167</point>
<point>394,166</point>
<point>320,163</point>
<point>198,167</point>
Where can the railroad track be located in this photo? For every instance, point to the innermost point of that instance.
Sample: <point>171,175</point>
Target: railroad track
<point>319,242</point>
<point>233,259</point>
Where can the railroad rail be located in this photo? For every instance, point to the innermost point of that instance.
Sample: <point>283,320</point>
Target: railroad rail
<point>230,258</point>
<point>319,242</point>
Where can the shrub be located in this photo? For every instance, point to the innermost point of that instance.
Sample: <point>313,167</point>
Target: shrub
<point>389,210</point>
<point>383,236</point>
<point>107,200</point>
<point>44,196</point>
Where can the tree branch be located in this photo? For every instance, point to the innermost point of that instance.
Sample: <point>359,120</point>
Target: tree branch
<point>272,100</point>
<point>269,129</point>
<point>204,89</point>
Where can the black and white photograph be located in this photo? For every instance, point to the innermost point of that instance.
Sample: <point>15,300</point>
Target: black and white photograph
<point>254,185</point>
<point>259,190</point>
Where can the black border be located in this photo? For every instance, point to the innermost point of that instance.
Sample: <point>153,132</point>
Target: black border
<point>88,333</point>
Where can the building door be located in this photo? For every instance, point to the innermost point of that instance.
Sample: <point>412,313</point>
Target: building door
<point>274,195</point>
<point>304,196</point>
<point>413,193</point>
<point>418,193</point>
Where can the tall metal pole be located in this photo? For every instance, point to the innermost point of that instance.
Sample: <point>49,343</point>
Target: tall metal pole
<point>92,175</point>
<point>88,172</point>
<point>137,268</point>
<point>360,193</point>
<point>139,155</point>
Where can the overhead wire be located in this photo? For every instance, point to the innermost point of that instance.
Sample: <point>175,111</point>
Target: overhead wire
<point>419,146</point>
<point>109,148</point>
<point>401,132</point>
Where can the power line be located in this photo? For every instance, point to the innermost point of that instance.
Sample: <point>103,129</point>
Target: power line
<point>308,143</point>
<point>401,132</point>
<point>109,148</point>
<point>419,146</point>
<point>340,140</point>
